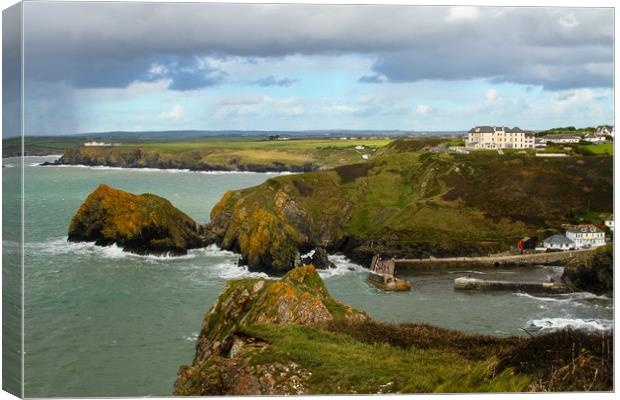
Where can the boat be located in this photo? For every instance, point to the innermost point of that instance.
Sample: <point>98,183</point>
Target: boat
<point>382,275</point>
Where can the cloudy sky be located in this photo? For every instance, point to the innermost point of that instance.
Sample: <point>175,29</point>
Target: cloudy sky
<point>128,66</point>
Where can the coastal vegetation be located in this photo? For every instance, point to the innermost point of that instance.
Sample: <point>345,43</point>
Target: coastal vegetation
<point>290,337</point>
<point>245,154</point>
<point>412,203</point>
<point>138,223</point>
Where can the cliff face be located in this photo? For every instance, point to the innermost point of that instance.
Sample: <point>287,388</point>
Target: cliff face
<point>592,272</point>
<point>410,203</point>
<point>139,223</point>
<point>289,336</point>
<point>220,365</point>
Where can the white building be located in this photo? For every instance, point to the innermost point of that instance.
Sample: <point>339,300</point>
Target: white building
<point>97,144</point>
<point>498,137</point>
<point>586,236</point>
<point>604,130</point>
<point>558,242</point>
<point>562,138</point>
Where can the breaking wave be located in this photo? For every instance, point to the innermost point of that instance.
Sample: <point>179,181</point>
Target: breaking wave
<point>554,324</point>
<point>342,266</point>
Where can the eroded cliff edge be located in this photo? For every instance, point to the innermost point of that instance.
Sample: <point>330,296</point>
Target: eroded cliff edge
<point>289,336</point>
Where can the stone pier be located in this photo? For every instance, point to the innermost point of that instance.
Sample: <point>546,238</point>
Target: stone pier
<point>466,283</point>
<point>422,264</point>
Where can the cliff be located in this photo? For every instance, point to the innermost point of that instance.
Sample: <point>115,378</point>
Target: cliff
<point>592,272</point>
<point>409,203</point>
<point>138,223</point>
<point>289,336</point>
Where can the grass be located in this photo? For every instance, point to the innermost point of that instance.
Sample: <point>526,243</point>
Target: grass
<point>341,364</point>
<point>231,154</point>
<point>596,149</point>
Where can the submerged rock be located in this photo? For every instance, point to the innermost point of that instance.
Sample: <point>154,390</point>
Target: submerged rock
<point>144,224</point>
<point>221,364</point>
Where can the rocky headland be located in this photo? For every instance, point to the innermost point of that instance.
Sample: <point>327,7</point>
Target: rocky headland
<point>592,272</point>
<point>410,203</point>
<point>143,224</point>
<point>289,336</point>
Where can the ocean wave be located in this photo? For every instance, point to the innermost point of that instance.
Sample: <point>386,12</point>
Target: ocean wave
<point>166,170</point>
<point>62,246</point>
<point>342,266</point>
<point>554,324</point>
<point>191,338</point>
<point>230,269</point>
<point>8,166</point>
<point>564,298</point>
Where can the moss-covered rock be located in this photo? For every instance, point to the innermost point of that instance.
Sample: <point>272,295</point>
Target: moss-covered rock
<point>144,224</point>
<point>300,297</point>
<point>592,272</point>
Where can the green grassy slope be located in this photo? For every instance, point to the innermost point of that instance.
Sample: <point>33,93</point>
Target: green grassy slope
<point>408,202</point>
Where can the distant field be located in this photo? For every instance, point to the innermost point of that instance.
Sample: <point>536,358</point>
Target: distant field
<point>245,154</point>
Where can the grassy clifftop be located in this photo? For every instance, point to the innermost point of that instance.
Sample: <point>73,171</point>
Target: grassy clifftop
<point>140,223</point>
<point>232,154</point>
<point>408,202</point>
<point>289,336</point>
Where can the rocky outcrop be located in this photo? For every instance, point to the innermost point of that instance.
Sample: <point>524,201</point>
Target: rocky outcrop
<point>144,224</point>
<point>591,272</point>
<point>319,259</point>
<point>221,364</point>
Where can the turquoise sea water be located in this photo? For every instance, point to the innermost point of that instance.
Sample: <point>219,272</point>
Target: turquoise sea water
<point>101,322</point>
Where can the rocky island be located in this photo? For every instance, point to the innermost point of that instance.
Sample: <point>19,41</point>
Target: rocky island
<point>144,224</point>
<point>289,336</point>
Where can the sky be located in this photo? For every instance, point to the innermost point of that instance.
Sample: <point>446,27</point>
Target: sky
<point>94,67</point>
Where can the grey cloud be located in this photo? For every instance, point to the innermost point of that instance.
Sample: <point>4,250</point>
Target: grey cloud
<point>113,44</point>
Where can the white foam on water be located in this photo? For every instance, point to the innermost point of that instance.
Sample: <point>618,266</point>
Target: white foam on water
<point>167,170</point>
<point>585,296</point>
<point>553,324</point>
<point>342,266</point>
<point>212,250</point>
<point>191,338</point>
<point>308,254</point>
<point>34,164</point>
<point>544,299</point>
<point>62,246</point>
<point>9,166</point>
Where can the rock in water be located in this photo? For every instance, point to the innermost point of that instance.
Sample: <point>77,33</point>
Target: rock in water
<point>143,224</point>
<point>221,364</point>
<point>319,259</point>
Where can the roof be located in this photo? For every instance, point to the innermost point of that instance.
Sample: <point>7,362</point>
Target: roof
<point>583,229</point>
<point>482,129</point>
<point>560,136</point>
<point>558,239</point>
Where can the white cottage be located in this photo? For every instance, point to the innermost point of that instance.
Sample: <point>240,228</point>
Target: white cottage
<point>558,242</point>
<point>586,236</point>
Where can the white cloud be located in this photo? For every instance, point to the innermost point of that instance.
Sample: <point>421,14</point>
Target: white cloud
<point>569,21</point>
<point>491,94</point>
<point>175,112</point>
<point>422,108</point>
<point>461,13</point>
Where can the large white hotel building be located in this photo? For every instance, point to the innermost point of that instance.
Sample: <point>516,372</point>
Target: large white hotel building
<point>499,137</point>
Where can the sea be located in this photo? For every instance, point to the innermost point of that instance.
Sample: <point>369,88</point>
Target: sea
<point>103,322</point>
